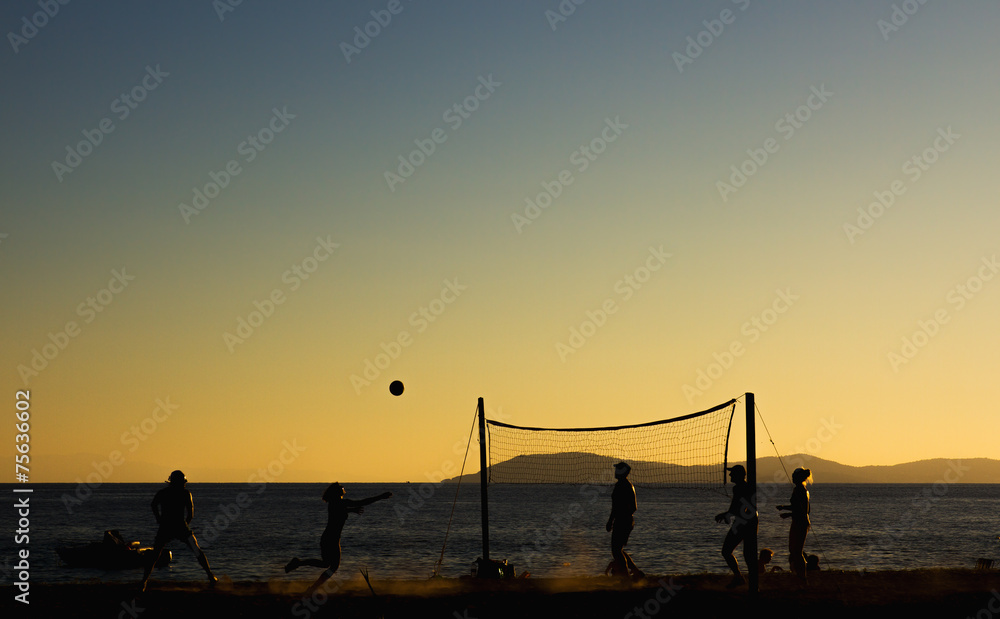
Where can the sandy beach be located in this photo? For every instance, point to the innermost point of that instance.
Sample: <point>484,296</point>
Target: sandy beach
<point>916,593</point>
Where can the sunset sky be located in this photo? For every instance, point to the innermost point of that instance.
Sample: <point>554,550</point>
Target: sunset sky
<point>226,230</point>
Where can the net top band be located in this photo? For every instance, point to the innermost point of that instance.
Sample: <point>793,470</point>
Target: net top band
<point>638,425</point>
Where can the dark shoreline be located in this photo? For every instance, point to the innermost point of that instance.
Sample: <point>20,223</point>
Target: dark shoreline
<point>857,595</point>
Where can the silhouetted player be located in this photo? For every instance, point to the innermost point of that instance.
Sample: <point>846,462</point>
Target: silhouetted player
<point>329,543</point>
<point>800,521</point>
<point>742,520</point>
<point>621,522</point>
<point>174,509</point>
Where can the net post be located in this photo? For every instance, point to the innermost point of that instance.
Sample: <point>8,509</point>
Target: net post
<point>483,481</point>
<point>750,543</point>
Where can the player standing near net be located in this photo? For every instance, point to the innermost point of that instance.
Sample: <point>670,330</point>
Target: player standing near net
<point>329,543</point>
<point>800,521</point>
<point>742,520</point>
<point>173,508</point>
<point>621,522</point>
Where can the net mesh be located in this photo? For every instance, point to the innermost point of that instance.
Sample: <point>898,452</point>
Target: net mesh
<point>683,452</point>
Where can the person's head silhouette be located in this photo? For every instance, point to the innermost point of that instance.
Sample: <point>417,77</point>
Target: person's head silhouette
<point>622,470</point>
<point>177,479</point>
<point>333,492</point>
<point>801,475</point>
<point>737,473</point>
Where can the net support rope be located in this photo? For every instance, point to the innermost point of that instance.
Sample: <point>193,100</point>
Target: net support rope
<point>458,486</point>
<point>812,529</point>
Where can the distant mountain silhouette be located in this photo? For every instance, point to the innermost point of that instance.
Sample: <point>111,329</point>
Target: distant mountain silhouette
<point>971,471</point>
<point>769,469</point>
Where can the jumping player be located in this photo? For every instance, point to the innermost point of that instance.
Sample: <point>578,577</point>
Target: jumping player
<point>329,543</point>
<point>173,508</point>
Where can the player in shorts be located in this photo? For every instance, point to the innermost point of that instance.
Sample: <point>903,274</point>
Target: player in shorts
<point>173,508</point>
<point>742,519</point>
<point>621,523</point>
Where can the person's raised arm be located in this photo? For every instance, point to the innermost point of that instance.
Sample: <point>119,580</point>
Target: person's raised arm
<point>352,504</point>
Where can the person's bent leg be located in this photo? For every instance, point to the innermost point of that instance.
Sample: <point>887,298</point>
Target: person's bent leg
<point>158,546</point>
<point>618,539</point>
<point>323,577</point>
<point>728,546</point>
<point>332,558</point>
<point>620,565</point>
<point>632,567</point>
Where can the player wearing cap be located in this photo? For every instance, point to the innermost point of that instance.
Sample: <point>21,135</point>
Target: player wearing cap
<point>173,508</point>
<point>742,519</point>
<point>621,522</point>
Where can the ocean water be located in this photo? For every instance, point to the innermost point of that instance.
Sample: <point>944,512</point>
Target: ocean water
<point>250,532</point>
